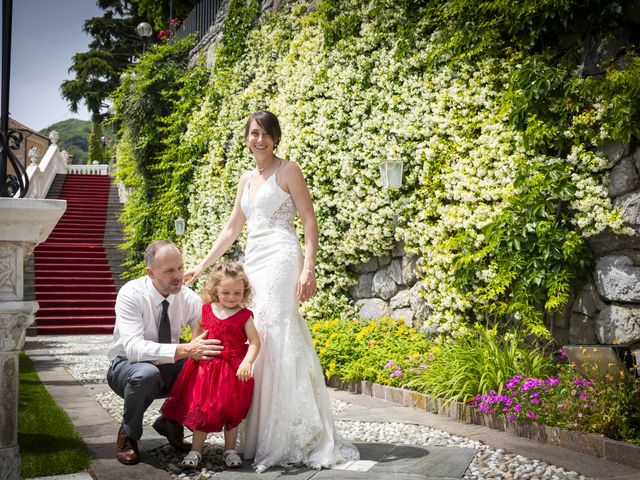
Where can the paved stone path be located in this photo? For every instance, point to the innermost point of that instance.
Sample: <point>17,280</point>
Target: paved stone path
<point>380,459</point>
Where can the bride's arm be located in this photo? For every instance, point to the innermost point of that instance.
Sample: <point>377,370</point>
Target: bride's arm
<point>227,236</point>
<point>297,187</point>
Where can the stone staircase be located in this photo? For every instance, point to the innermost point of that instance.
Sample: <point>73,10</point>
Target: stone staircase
<point>76,273</point>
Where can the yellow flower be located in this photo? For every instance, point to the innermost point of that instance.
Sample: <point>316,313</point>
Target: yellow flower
<point>400,331</point>
<point>333,335</point>
<point>323,351</point>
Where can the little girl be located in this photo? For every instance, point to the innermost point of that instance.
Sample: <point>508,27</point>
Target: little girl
<point>211,394</point>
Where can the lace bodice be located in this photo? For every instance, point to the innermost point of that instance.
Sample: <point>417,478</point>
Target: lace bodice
<point>268,208</point>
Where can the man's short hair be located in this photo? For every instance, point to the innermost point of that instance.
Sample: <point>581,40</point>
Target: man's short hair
<point>152,250</point>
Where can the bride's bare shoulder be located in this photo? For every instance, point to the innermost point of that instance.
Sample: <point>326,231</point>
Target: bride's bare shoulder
<point>290,168</point>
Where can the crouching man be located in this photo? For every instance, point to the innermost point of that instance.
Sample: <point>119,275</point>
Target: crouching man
<point>145,355</point>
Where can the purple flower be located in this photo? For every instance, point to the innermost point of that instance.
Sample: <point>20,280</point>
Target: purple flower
<point>390,364</point>
<point>397,372</point>
<point>553,381</point>
<point>513,382</point>
<point>582,382</point>
<point>561,354</point>
<point>531,415</point>
<point>511,416</point>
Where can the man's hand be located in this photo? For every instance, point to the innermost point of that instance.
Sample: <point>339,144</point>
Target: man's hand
<point>200,348</point>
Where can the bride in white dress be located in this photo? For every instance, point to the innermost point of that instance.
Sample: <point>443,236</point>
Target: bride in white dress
<point>290,420</point>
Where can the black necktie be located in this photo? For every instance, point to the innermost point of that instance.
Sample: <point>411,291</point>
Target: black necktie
<point>164,330</point>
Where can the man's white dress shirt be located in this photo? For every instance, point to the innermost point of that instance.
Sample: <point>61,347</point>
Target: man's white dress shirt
<point>138,309</point>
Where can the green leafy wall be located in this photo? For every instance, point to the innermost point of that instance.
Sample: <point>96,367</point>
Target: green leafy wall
<point>497,129</point>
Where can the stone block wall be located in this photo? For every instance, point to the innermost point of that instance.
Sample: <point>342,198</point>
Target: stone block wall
<point>388,286</point>
<point>611,304</point>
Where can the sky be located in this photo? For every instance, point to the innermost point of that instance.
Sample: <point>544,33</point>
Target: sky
<point>46,34</point>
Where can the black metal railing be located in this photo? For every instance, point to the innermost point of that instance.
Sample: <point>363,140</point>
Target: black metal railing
<point>16,183</point>
<point>200,19</point>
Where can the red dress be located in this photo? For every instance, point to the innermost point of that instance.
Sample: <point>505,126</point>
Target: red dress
<point>207,395</point>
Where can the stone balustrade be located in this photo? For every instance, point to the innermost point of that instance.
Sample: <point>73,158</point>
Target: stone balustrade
<point>23,224</point>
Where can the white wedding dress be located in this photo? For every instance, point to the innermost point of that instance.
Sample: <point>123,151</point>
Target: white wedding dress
<point>290,420</point>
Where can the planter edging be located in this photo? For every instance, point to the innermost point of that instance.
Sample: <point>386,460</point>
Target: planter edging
<point>588,443</point>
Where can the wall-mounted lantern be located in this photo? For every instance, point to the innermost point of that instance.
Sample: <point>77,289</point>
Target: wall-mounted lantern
<point>144,30</point>
<point>179,224</point>
<point>391,168</point>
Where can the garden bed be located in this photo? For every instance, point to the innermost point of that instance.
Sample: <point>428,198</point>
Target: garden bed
<point>595,445</point>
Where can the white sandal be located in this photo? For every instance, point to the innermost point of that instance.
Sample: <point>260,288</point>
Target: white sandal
<point>191,460</point>
<point>232,459</point>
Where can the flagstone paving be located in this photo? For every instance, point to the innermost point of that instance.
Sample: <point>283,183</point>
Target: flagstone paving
<point>397,443</point>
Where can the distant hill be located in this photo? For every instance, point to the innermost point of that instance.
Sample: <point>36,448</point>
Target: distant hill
<point>74,137</point>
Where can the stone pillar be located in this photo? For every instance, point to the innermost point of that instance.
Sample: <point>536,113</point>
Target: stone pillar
<point>23,224</point>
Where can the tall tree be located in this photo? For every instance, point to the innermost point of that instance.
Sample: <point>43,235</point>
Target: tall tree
<point>115,45</point>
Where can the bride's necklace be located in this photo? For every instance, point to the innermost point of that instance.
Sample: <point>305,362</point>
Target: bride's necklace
<point>271,164</point>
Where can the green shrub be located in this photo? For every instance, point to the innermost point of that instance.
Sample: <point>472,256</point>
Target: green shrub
<point>388,352</point>
<point>354,351</point>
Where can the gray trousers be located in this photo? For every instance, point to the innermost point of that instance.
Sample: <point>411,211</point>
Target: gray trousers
<point>139,384</point>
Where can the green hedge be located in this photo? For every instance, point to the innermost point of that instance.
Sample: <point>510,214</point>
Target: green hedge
<point>497,130</point>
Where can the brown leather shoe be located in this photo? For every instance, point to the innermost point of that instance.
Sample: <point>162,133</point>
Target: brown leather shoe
<point>173,431</point>
<point>127,449</point>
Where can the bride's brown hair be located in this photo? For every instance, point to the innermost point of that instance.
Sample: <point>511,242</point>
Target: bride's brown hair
<point>226,270</point>
<point>269,122</point>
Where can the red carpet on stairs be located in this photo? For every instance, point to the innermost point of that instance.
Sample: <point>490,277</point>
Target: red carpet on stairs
<point>74,285</point>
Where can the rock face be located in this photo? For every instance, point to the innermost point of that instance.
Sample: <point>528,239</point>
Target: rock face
<point>609,312</point>
<point>387,286</point>
<point>619,324</point>
<point>618,279</point>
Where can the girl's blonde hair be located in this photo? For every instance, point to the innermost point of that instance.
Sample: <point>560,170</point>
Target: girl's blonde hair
<point>220,272</point>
